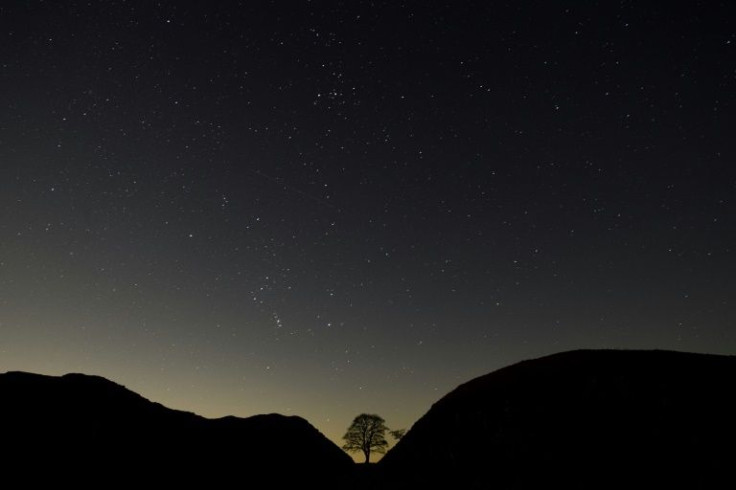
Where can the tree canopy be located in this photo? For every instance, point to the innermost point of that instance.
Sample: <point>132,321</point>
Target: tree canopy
<point>367,433</point>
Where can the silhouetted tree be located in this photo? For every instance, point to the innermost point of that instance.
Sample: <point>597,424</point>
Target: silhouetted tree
<point>398,433</point>
<point>367,433</point>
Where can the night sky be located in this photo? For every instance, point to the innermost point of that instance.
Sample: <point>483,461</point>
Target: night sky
<point>328,208</point>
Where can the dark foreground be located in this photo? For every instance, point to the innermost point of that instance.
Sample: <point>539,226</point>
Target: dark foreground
<point>575,420</point>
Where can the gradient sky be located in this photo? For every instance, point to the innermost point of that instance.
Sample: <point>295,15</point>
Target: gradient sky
<point>328,208</point>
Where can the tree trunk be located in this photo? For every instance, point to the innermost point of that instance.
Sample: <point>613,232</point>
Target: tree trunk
<point>367,456</point>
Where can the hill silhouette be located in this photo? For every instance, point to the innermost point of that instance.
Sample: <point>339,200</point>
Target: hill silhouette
<point>574,420</point>
<point>89,431</point>
<point>581,419</point>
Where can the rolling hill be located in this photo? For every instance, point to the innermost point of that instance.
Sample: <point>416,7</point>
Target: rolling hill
<point>86,430</point>
<point>580,419</point>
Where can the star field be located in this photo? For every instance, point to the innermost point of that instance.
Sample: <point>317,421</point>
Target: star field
<point>328,208</point>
